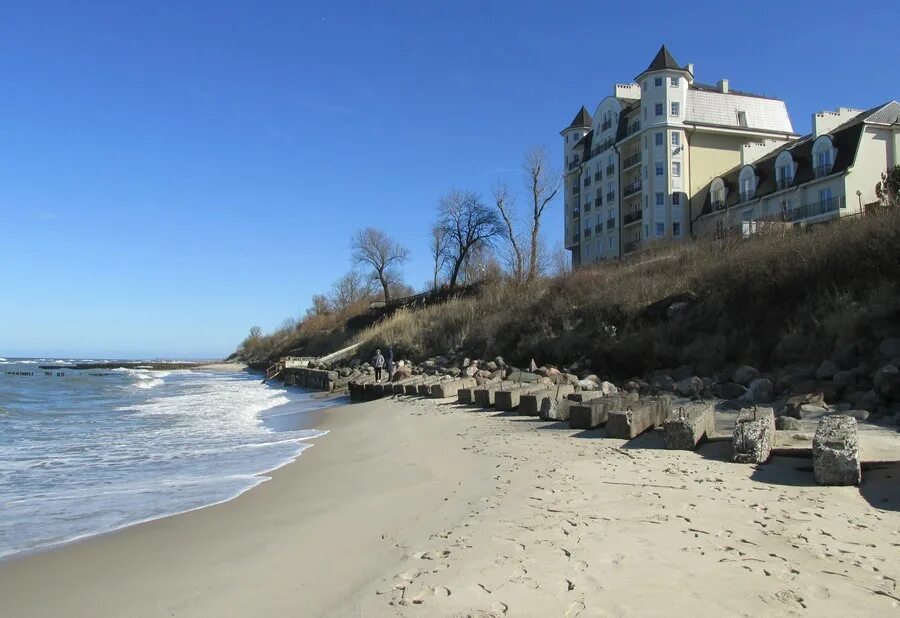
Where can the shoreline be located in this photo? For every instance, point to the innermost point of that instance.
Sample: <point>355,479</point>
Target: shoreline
<point>424,508</point>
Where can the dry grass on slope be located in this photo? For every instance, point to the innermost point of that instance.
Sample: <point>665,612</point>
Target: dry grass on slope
<point>743,298</point>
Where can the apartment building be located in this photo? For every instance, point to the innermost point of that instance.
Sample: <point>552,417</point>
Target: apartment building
<point>634,170</point>
<point>831,172</point>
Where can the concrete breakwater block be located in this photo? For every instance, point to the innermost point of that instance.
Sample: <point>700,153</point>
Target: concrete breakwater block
<point>509,399</point>
<point>485,396</point>
<point>530,403</point>
<point>450,388</point>
<point>835,451</point>
<point>754,435</point>
<point>590,414</point>
<point>553,409</point>
<point>686,427</point>
<point>357,388</point>
<point>424,389</point>
<point>400,385</point>
<point>641,415</point>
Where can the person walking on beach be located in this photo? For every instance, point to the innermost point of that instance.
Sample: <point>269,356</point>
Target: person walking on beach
<point>378,363</point>
<point>390,364</point>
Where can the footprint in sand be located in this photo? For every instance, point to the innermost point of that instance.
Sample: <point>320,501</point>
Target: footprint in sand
<point>574,609</point>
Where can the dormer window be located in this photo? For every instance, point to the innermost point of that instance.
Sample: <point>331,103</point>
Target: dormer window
<point>742,119</point>
<point>784,170</point>
<point>823,156</point>
<point>747,183</point>
<point>717,191</point>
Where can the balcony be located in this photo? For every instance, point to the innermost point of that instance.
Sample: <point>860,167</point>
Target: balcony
<point>746,196</point>
<point>610,169</point>
<point>784,182</point>
<point>598,202</point>
<point>587,205</point>
<point>632,188</point>
<point>598,228</point>
<point>603,146</point>
<point>631,247</point>
<point>822,170</point>
<point>633,128</point>
<point>606,124</point>
<point>610,224</point>
<point>816,209</point>
<point>574,164</point>
<point>718,204</point>
<point>576,190</point>
<point>631,161</point>
<point>633,217</point>
<point>576,212</point>
<point>610,197</point>
<point>587,232</point>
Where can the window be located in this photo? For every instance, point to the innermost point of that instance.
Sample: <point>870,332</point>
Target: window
<point>825,196</point>
<point>676,169</point>
<point>660,199</point>
<point>676,228</point>
<point>742,119</point>
<point>657,81</point>
<point>676,199</point>
<point>676,108</point>
<point>659,168</point>
<point>659,109</point>
<point>673,82</point>
<point>676,139</point>
<point>610,241</point>
<point>660,229</point>
<point>658,137</point>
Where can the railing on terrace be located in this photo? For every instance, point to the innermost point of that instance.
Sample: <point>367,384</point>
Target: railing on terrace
<point>822,170</point>
<point>633,128</point>
<point>574,164</point>
<point>746,196</point>
<point>632,160</point>
<point>632,188</point>
<point>603,146</point>
<point>633,217</point>
<point>815,209</point>
<point>606,124</point>
<point>718,204</point>
<point>784,183</point>
<point>632,246</point>
<point>610,224</point>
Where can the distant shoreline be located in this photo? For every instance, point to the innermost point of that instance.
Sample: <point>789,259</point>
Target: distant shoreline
<point>150,365</point>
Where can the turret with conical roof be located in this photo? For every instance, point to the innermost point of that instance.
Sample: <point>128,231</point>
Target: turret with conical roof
<point>664,61</point>
<point>582,119</point>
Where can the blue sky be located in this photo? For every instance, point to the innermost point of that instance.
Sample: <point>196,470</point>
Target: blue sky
<point>174,173</point>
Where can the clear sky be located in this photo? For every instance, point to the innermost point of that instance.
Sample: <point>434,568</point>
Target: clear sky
<point>172,173</point>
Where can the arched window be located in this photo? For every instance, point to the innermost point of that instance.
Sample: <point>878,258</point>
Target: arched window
<point>784,170</point>
<point>747,183</point>
<point>823,156</point>
<point>717,194</point>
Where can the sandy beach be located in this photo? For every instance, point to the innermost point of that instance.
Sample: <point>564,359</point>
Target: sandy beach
<point>424,508</point>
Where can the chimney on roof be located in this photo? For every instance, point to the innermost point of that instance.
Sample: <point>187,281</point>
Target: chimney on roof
<point>825,121</point>
<point>690,68</point>
<point>723,86</point>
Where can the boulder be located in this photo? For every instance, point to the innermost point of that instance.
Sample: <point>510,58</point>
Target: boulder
<point>608,388</point>
<point>846,357</point>
<point>523,376</point>
<point>870,401</point>
<point>835,452</point>
<point>890,348</point>
<point>826,370</point>
<point>760,390</point>
<point>663,383</point>
<point>593,378</point>
<point>887,381</point>
<point>729,390</point>
<point>587,385</point>
<point>860,415</point>
<point>843,379</point>
<point>682,372</point>
<point>753,436</point>
<point>499,361</point>
<point>787,422</point>
<point>471,370</point>
<point>689,387</point>
<point>745,374</point>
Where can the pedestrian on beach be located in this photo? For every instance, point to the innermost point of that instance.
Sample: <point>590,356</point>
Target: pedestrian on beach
<point>390,364</point>
<point>378,363</point>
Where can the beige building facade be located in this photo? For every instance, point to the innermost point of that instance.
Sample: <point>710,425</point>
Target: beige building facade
<point>634,169</point>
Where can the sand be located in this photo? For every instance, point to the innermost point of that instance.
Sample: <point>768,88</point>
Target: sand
<point>424,508</point>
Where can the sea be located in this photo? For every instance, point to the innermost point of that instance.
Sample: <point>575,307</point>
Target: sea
<point>83,452</point>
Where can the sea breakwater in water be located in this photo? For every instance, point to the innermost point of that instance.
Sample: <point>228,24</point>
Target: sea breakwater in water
<point>84,453</point>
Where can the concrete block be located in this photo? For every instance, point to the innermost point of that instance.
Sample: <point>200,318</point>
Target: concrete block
<point>686,427</point>
<point>590,414</point>
<point>509,398</point>
<point>641,415</point>
<point>450,388</point>
<point>835,451</point>
<point>530,403</point>
<point>754,435</point>
<point>484,396</point>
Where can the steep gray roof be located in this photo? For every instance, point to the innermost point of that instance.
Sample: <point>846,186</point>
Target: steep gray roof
<point>582,119</point>
<point>889,113</point>
<point>715,108</point>
<point>662,61</point>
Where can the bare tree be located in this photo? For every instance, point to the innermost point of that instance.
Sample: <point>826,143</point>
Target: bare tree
<point>350,289</point>
<point>320,305</point>
<point>561,263</point>
<point>383,255</point>
<point>543,185</point>
<point>438,251</point>
<point>467,223</point>
<point>505,203</point>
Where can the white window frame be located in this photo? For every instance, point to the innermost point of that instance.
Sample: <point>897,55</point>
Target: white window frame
<point>676,138</point>
<point>674,81</point>
<point>660,230</point>
<point>676,169</point>
<point>675,109</point>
